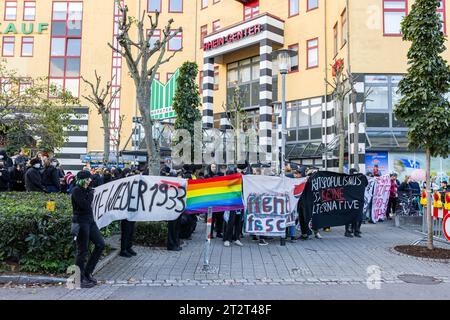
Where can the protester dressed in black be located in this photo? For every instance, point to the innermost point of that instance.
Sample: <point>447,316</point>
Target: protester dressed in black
<point>82,198</point>
<point>33,179</point>
<point>50,176</point>
<point>127,229</point>
<point>4,178</point>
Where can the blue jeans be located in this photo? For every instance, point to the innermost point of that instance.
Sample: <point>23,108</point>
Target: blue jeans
<point>291,231</point>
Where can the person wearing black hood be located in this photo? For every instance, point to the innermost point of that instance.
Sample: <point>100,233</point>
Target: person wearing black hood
<point>82,197</point>
<point>33,179</point>
<point>217,219</point>
<point>7,161</point>
<point>50,176</point>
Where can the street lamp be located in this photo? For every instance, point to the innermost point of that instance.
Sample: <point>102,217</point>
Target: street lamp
<point>283,57</point>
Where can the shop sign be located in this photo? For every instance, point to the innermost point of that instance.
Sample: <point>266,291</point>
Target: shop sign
<point>232,37</point>
<point>23,28</point>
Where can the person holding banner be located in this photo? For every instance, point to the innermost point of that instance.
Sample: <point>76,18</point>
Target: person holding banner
<point>82,198</point>
<point>217,221</point>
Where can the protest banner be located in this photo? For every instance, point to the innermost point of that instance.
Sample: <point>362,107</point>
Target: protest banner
<point>333,199</point>
<point>270,204</point>
<point>380,198</point>
<point>139,198</point>
<point>368,195</point>
<point>219,193</point>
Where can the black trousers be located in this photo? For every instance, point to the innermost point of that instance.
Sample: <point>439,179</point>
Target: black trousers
<point>217,223</point>
<point>304,228</point>
<point>173,233</point>
<point>354,227</point>
<point>127,233</point>
<point>88,232</point>
<point>392,204</point>
<point>233,227</point>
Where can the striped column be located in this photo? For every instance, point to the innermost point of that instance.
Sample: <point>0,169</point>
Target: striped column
<point>329,136</point>
<point>208,93</point>
<point>224,122</point>
<point>265,101</point>
<point>360,150</point>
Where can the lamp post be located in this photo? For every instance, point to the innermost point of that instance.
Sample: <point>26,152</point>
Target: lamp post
<point>283,57</point>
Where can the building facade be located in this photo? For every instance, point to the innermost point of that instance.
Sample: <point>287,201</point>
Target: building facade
<point>232,42</point>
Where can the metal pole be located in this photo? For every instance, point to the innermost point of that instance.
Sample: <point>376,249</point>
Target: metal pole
<point>283,138</point>
<point>283,123</point>
<point>208,239</point>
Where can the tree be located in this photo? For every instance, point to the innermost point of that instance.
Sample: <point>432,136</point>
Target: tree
<point>118,139</point>
<point>102,99</point>
<point>423,106</point>
<point>137,54</point>
<point>187,100</point>
<point>340,92</point>
<point>237,119</point>
<point>32,114</point>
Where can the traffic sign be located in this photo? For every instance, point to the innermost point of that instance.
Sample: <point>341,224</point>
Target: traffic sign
<point>446,226</point>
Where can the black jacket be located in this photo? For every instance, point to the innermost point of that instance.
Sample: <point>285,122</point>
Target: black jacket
<point>50,177</point>
<point>82,205</point>
<point>17,180</point>
<point>4,180</point>
<point>33,180</point>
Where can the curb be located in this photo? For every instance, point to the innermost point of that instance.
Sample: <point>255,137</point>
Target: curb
<point>445,261</point>
<point>31,280</point>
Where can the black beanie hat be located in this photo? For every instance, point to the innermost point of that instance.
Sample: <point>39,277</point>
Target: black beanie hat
<point>34,161</point>
<point>83,175</point>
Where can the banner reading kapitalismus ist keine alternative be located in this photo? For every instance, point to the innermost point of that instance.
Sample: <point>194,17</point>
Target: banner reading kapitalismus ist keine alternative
<point>139,198</point>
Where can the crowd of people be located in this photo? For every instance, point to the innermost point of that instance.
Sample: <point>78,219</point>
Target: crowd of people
<point>45,174</point>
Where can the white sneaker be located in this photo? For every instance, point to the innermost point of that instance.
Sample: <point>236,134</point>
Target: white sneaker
<point>227,243</point>
<point>238,243</point>
<point>318,236</point>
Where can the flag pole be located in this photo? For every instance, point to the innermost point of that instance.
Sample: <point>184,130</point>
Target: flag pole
<point>208,239</point>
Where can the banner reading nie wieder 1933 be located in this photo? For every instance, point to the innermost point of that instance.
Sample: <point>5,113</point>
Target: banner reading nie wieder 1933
<point>333,199</point>
<point>270,203</point>
<point>139,198</point>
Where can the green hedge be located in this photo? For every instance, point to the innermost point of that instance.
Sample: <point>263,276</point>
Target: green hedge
<point>151,234</point>
<point>38,240</point>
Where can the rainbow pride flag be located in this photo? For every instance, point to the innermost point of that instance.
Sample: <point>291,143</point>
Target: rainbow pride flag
<point>220,193</point>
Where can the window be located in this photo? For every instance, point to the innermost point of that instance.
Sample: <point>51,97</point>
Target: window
<point>204,4</point>
<point>393,13</point>
<point>382,100</point>
<point>313,53</point>
<point>8,46</point>
<point>176,43</point>
<point>216,25</point>
<point>10,10</point>
<point>216,78</point>
<point>24,85</point>
<point>293,8</point>
<point>216,1</point>
<point>251,9</point>
<point>203,34</point>
<point>244,74</point>
<point>294,59</point>
<point>168,76</point>
<point>441,12</point>
<point>154,5</point>
<point>27,46</point>
<point>156,36</point>
<point>29,10</point>
<point>335,39</point>
<point>344,28</point>
<point>306,118</point>
<point>312,4</point>
<point>65,48</point>
<point>175,5</point>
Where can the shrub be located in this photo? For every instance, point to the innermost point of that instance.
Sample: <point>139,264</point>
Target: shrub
<point>38,240</point>
<point>151,234</point>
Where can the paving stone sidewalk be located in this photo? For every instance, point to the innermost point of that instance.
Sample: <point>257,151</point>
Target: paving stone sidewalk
<point>334,259</point>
